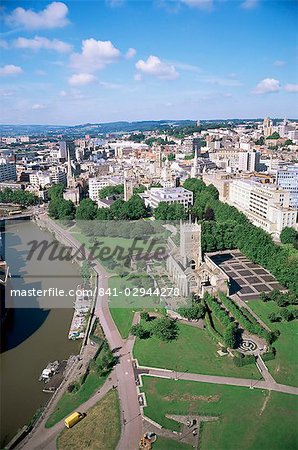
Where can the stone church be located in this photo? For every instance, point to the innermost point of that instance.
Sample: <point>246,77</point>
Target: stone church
<point>189,270</point>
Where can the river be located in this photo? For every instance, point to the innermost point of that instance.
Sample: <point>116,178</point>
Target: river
<point>36,331</point>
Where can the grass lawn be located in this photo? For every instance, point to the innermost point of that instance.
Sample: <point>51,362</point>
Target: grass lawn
<point>248,419</point>
<point>284,368</point>
<point>170,444</point>
<point>194,351</point>
<point>123,307</point>
<point>118,243</point>
<point>100,429</point>
<point>69,401</point>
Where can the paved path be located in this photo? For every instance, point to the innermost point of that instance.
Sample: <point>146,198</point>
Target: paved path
<point>124,376</point>
<point>264,371</point>
<point>162,373</point>
<point>125,379</point>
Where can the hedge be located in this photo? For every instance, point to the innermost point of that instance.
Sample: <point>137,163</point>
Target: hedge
<point>243,361</point>
<point>251,326</point>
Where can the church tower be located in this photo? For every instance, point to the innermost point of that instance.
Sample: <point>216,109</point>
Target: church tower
<point>70,177</point>
<point>190,244</point>
<point>194,167</point>
<point>128,188</point>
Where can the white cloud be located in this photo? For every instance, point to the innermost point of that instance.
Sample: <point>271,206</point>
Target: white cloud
<point>6,92</point>
<point>38,106</point>
<point>72,94</point>
<point>291,87</point>
<point>221,81</point>
<point>131,52</point>
<point>81,79</point>
<point>39,42</point>
<point>3,44</point>
<point>202,4</point>
<point>114,3</point>
<point>249,4</point>
<point>40,72</point>
<point>10,69</point>
<point>266,86</point>
<point>155,67</point>
<point>138,77</point>
<point>279,63</point>
<point>186,67</point>
<point>108,85</point>
<point>95,55</point>
<point>53,16</point>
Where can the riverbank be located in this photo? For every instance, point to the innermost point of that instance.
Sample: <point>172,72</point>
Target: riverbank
<point>33,335</point>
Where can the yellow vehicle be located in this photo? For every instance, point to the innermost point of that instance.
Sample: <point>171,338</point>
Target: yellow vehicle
<point>74,418</point>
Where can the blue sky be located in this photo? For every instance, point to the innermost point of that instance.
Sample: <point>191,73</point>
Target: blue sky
<point>100,61</point>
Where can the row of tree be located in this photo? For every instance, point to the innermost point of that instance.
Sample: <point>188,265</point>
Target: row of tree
<point>133,209</point>
<point>282,299</point>
<point>18,197</point>
<point>230,335</point>
<point>59,208</point>
<point>231,229</point>
<point>247,321</point>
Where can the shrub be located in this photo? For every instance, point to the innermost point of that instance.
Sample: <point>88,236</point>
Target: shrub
<point>145,316</point>
<point>247,359</point>
<point>251,325</point>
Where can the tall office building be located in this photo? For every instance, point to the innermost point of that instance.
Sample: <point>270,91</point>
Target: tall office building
<point>248,161</point>
<point>66,147</point>
<point>267,127</point>
<point>266,205</point>
<point>287,178</point>
<point>7,170</point>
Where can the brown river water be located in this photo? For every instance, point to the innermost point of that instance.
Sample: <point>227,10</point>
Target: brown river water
<point>36,329</point>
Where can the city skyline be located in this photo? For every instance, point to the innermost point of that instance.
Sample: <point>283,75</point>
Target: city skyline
<point>68,63</point>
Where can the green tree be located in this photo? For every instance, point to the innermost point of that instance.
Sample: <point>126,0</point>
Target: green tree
<point>145,316</point>
<point>56,191</point>
<point>53,208</point>
<point>165,329</point>
<point>18,196</point>
<point>230,335</point>
<point>286,314</point>
<point>139,331</point>
<point>274,135</point>
<point>170,211</point>
<point>289,236</point>
<point>273,317</point>
<point>86,210</point>
<point>194,312</point>
<point>85,270</point>
<point>108,191</point>
<point>66,209</point>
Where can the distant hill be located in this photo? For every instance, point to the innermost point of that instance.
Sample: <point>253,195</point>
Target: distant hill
<point>95,129</point>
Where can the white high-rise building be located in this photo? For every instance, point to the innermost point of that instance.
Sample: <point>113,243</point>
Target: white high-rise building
<point>168,195</point>
<point>265,205</point>
<point>248,161</point>
<point>96,184</point>
<point>287,178</point>
<point>7,170</point>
